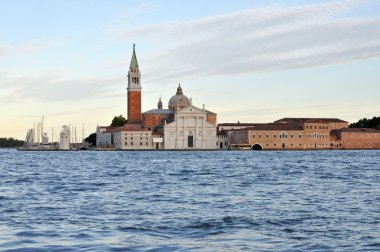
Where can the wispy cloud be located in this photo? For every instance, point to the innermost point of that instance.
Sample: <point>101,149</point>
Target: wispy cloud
<point>57,88</point>
<point>259,40</point>
<point>27,47</point>
<point>127,18</point>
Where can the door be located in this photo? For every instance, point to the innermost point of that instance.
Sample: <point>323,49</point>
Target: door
<point>190,142</point>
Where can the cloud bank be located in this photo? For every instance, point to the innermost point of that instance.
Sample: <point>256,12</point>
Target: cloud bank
<point>57,88</point>
<point>27,47</point>
<point>265,39</point>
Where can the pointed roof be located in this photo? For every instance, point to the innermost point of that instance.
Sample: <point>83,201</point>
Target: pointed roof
<point>159,104</point>
<point>134,59</point>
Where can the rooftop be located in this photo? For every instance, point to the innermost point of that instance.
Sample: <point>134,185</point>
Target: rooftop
<point>302,120</point>
<point>118,129</point>
<point>240,124</point>
<point>356,130</point>
<point>276,127</point>
<point>158,111</point>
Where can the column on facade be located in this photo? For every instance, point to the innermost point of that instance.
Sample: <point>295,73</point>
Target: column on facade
<point>177,131</point>
<point>184,133</point>
<point>196,132</point>
<point>203,132</point>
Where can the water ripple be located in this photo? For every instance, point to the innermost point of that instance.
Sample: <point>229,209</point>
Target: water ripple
<point>190,201</point>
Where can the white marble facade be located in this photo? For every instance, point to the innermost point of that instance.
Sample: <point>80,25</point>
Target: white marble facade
<point>190,130</point>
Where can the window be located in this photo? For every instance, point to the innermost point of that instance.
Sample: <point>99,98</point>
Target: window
<point>320,127</point>
<point>274,135</point>
<point>140,143</point>
<point>131,138</point>
<point>253,136</point>
<point>126,143</point>
<point>267,135</point>
<point>259,135</point>
<point>140,138</point>
<point>300,135</point>
<point>291,136</point>
<point>315,127</point>
<point>274,144</point>
<point>131,143</point>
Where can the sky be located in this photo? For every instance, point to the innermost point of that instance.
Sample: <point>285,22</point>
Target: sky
<point>248,61</point>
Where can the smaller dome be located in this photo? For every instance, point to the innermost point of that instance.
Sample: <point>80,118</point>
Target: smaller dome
<point>179,100</point>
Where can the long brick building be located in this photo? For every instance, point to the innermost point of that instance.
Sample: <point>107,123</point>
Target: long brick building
<point>297,134</point>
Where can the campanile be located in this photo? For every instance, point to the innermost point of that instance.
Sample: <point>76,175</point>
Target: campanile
<point>134,91</point>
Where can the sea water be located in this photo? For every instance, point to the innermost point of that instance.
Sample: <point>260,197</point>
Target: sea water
<point>190,201</point>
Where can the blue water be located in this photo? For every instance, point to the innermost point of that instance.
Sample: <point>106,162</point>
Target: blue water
<point>190,201</point>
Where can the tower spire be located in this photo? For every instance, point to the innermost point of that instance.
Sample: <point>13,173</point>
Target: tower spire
<point>134,59</point>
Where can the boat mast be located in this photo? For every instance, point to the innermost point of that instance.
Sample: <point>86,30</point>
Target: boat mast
<point>42,127</point>
<point>34,133</point>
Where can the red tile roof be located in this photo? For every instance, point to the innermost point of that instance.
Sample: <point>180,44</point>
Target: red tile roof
<point>276,127</point>
<point>356,130</point>
<point>240,124</point>
<point>301,120</point>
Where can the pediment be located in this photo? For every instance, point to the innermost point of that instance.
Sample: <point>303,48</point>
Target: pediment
<point>191,110</point>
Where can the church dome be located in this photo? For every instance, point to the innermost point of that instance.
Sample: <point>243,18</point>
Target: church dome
<point>179,100</point>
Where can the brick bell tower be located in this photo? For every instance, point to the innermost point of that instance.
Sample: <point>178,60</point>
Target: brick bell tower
<point>134,91</point>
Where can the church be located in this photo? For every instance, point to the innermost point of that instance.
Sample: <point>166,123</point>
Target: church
<point>179,127</point>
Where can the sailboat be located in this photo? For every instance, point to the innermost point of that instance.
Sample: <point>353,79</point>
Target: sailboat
<point>37,139</point>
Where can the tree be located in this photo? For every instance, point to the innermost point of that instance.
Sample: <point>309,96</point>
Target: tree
<point>91,139</point>
<point>118,121</point>
<point>10,143</point>
<point>373,123</point>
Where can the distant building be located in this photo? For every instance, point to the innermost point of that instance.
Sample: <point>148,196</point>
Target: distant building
<point>301,134</point>
<point>181,126</point>
<point>125,138</point>
<point>184,126</point>
<point>190,129</point>
<point>355,138</point>
<point>64,140</point>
